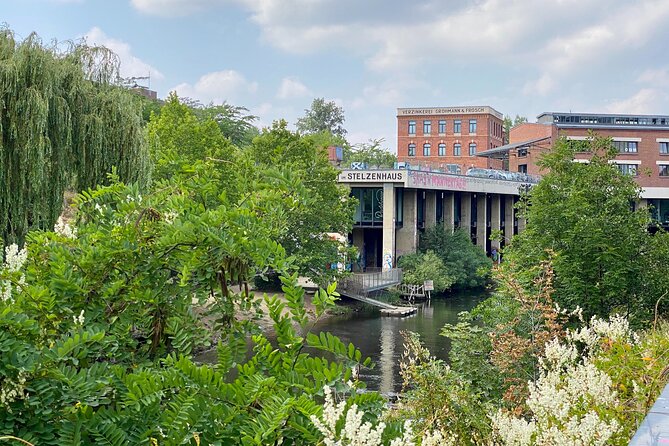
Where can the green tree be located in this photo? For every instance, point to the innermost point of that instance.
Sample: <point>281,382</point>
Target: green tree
<point>466,263</point>
<point>419,267</point>
<point>582,214</point>
<point>372,153</point>
<point>509,123</point>
<point>322,116</point>
<point>235,122</point>
<point>324,207</point>
<point>180,142</point>
<point>62,123</point>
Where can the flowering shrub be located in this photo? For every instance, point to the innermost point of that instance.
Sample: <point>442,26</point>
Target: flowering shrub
<point>577,399</point>
<point>354,432</point>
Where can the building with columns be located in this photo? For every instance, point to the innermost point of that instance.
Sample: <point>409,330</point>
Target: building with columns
<point>395,206</point>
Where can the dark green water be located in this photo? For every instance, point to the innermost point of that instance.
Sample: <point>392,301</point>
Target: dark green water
<point>379,337</point>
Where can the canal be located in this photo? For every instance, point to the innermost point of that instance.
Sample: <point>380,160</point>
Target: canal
<point>379,337</point>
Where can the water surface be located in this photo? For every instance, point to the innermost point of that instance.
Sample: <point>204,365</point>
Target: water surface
<point>379,336</point>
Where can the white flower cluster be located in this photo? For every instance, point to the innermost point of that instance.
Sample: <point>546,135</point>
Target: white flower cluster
<point>79,320</point>
<point>615,329</point>
<point>356,433</point>
<point>64,229</point>
<point>14,260</point>
<point>563,401</point>
<point>11,390</point>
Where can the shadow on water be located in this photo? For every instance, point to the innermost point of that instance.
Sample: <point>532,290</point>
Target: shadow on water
<point>379,336</point>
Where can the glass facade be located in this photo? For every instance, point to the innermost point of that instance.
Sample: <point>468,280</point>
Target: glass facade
<point>659,210</point>
<point>369,211</point>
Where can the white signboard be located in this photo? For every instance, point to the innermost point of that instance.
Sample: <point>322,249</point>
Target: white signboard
<point>373,176</point>
<point>428,285</point>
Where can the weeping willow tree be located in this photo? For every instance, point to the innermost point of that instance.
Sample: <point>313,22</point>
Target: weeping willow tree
<point>63,123</point>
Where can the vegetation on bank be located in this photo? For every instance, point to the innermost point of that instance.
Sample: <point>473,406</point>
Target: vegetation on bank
<point>97,324</point>
<point>447,258</point>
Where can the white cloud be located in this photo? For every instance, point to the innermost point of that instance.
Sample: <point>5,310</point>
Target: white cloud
<point>291,87</point>
<point>645,101</point>
<point>173,8</point>
<point>131,65</point>
<point>217,87</point>
<point>657,77</point>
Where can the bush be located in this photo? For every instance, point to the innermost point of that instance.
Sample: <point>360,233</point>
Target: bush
<point>420,267</point>
<point>465,262</point>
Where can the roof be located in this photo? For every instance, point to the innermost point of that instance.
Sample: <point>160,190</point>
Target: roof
<point>499,152</point>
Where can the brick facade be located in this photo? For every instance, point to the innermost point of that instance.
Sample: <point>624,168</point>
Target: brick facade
<point>489,134</point>
<point>647,158</point>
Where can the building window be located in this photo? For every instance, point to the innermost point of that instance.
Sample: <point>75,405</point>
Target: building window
<point>457,126</point>
<point>664,170</point>
<point>412,127</point>
<point>664,148</point>
<point>628,169</point>
<point>626,146</point>
<point>427,127</point>
<point>426,149</point>
<point>412,149</point>
<point>522,153</point>
<point>522,168</point>
<point>472,126</point>
<point>472,149</point>
<point>442,127</point>
<point>457,149</point>
<point>442,149</point>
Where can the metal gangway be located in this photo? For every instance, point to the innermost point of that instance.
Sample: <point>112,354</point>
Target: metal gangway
<point>358,286</point>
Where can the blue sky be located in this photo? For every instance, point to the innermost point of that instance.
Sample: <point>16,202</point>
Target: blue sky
<point>371,56</point>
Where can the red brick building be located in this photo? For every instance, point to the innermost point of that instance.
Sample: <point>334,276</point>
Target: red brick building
<point>642,142</point>
<point>448,138</point>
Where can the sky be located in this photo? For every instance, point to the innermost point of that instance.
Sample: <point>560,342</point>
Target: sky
<point>522,57</point>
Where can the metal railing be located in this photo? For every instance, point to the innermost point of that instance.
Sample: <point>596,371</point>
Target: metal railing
<point>362,283</point>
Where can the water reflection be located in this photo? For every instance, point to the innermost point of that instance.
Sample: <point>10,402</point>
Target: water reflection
<point>379,336</point>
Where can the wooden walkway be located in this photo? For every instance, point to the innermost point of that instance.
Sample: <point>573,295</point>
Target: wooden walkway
<point>358,286</point>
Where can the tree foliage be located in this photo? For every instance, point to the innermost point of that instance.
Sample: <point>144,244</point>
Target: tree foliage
<point>62,123</point>
<point>466,263</point>
<point>322,116</point>
<point>584,214</point>
<point>371,153</point>
<point>422,266</point>
<point>325,206</point>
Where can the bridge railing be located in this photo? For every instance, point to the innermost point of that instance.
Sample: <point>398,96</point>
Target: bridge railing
<point>362,283</point>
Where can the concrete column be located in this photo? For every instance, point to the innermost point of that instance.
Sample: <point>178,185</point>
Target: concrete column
<point>449,211</point>
<point>509,216</point>
<point>466,212</point>
<point>642,204</point>
<point>481,219</point>
<point>495,220</point>
<point>407,236</point>
<point>430,209</point>
<point>521,225</point>
<point>388,226</point>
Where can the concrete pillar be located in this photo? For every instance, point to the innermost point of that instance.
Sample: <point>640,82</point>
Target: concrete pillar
<point>642,204</point>
<point>449,211</point>
<point>521,224</point>
<point>388,226</point>
<point>509,216</point>
<point>466,212</point>
<point>481,219</point>
<point>495,220</point>
<point>430,208</point>
<point>407,236</point>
